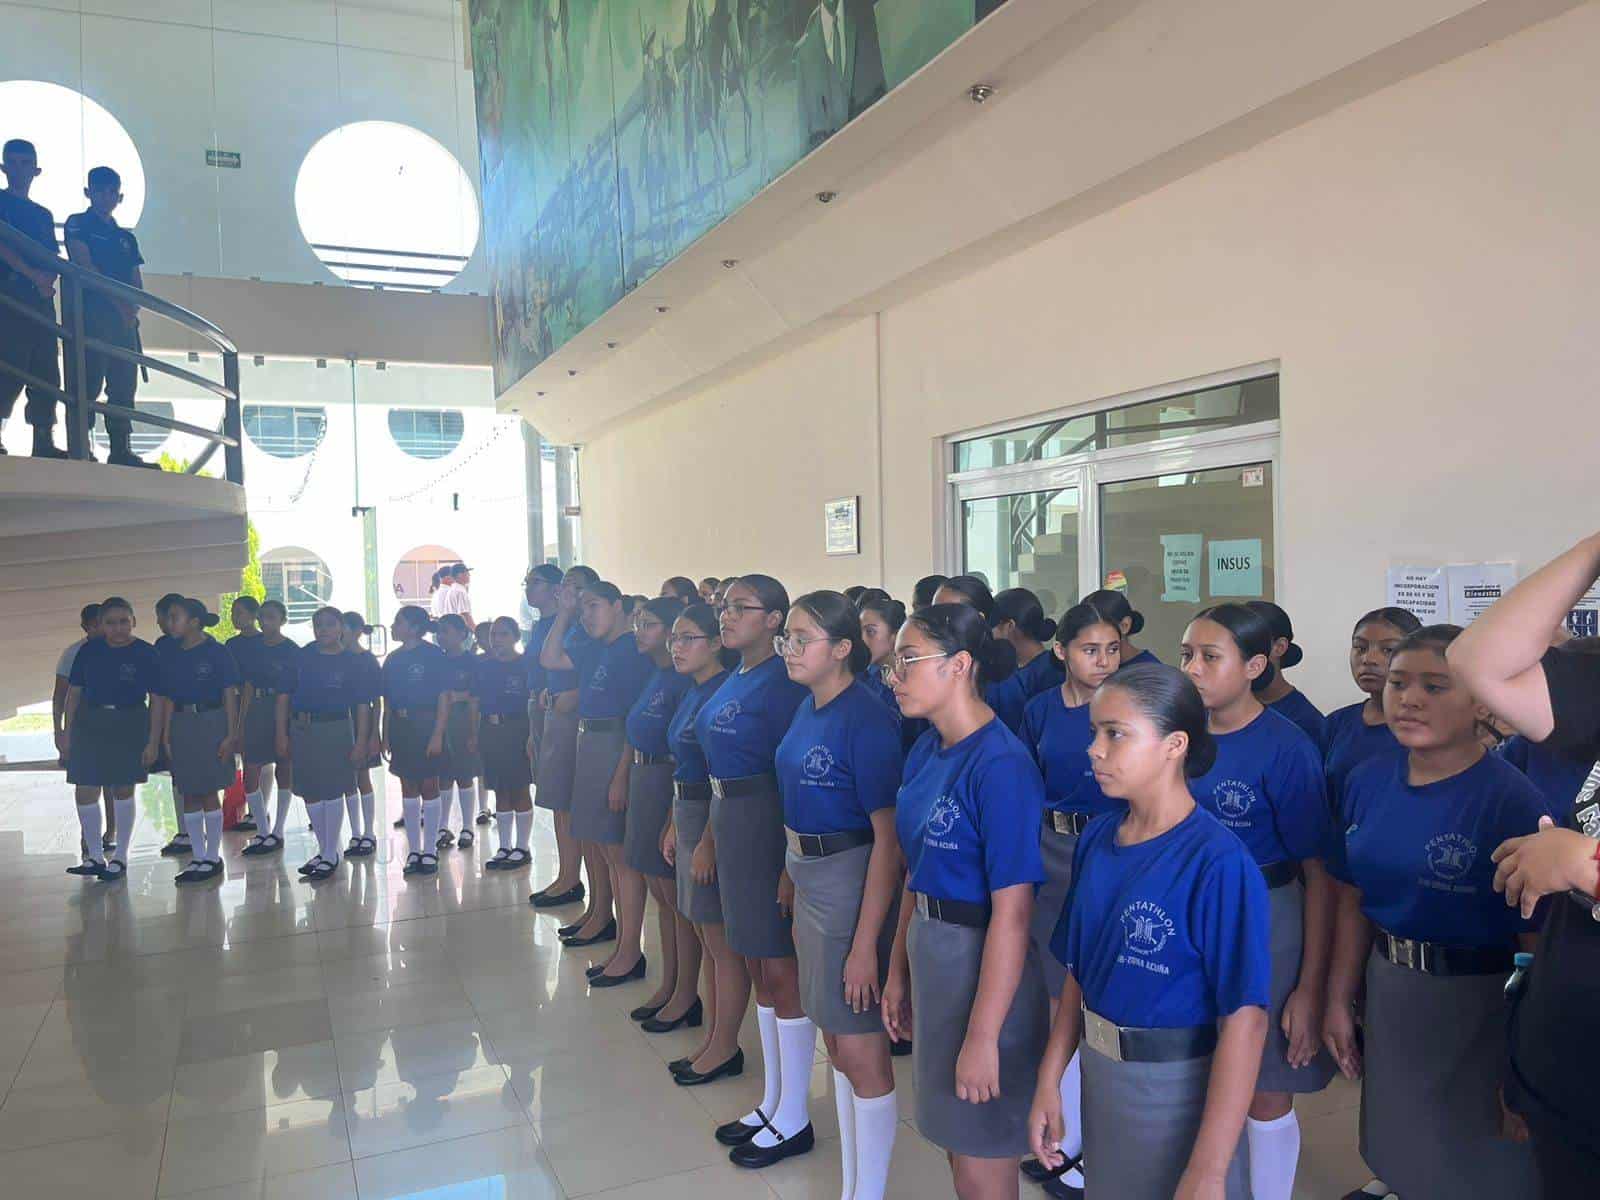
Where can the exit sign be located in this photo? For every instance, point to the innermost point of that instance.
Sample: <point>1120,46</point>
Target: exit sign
<point>230,159</point>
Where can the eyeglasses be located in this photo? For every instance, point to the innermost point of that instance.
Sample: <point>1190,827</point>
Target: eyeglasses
<point>894,667</point>
<point>794,647</point>
<point>683,639</point>
<point>738,610</point>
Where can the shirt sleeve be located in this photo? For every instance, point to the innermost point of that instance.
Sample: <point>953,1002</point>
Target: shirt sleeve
<point>877,761</point>
<point>75,672</point>
<point>1301,803</point>
<point>68,657</point>
<point>133,245</point>
<point>1032,731</point>
<point>1010,804</point>
<point>73,227</point>
<point>1230,917</point>
<point>231,675</point>
<point>1574,683</point>
<point>369,683</point>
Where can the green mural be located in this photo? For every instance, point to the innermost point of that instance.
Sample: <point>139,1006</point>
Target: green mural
<point>613,133</point>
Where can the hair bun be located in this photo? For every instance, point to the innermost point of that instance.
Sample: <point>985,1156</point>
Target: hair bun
<point>1046,630</point>
<point>1136,623</point>
<point>1202,754</point>
<point>997,660</point>
<point>1292,656</point>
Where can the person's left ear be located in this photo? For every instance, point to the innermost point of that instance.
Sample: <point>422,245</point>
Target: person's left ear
<point>1254,666</point>
<point>1005,629</point>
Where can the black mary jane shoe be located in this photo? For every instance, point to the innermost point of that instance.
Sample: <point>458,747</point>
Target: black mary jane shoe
<point>737,1133</point>
<point>429,865</point>
<point>689,1077</point>
<point>361,847</point>
<point>464,842</point>
<point>519,860</point>
<point>900,1049</point>
<point>607,934</point>
<point>1060,1189</point>
<point>548,899</point>
<point>693,1017</point>
<point>610,981</point>
<point>176,847</point>
<point>445,841</point>
<point>200,872</point>
<point>306,868</point>
<point>645,1012</point>
<point>244,825</point>
<point>114,871</point>
<point>413,864</point>
<point>756,1157</point>
<point>87,869</point>
<point>483,818</point>
<point>399,823</point>
<point>257,845</point>
<point>325,871</point>
<point>500,861</point>
<point>1049,1178</point>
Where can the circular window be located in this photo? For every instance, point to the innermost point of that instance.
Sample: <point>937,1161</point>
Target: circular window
<point>297,579</point>
<point>283,430</point>
<point>146,440</point>
<point>413,574</point>
<point>425,432</point>
<point>71,133</point>
<point>385,206</point>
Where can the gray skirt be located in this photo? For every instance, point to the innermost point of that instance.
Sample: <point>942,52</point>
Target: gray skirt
<point>750,853</point>
<point>1139,1124</point>
<point>504,745</point>
<point>535,729</point>
<point>461,762</point>
<point>945,961</point>
<point>1057,850</point>
<point>1430,1113</point>
<point>827,907</point>
<point>598,753</point>
<point>259,737</point>
<point>701,903</point>
<point>408,745</point>
<point>108,746</point>
<point>321,754</point>
<point>1288,906</point>
<point>649,809</point>
<point>195,737</point>
<point>558,750</point>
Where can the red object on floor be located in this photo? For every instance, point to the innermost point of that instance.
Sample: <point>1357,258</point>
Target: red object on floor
<point>233,803</point>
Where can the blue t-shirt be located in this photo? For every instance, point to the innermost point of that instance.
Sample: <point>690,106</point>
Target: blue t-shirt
<point>243,647</point>
<point>501,686</point>
<point>266,668</point>
<point>577,645</point>
<point>1009,698</point>
<point>538,677</point>
<point>460,670</point>
<point>911,728</point>
<point>1059,738</point>
<point>119,676</point>
<point>1144,656</point>
<point>1043,672</point>
<point>1557,773</point>
<point>1267,787</point>
<point>839,765</point>
<point>414,678</point>
<point>968,817</point>
<point>613,682</point>
<point>1347,742</point>
<point>332,682</point>
<point>654,708</point>
<point>1421,855</point>
<point>199,674</point>
<point>1168,933</point>
<point>1303,713</point>
<point>740,727</point>
<point>681,734</point>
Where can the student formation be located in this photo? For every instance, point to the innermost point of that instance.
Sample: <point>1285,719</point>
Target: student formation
<point>1119,912</point>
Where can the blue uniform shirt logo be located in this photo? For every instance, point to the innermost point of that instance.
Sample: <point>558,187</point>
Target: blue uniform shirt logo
<point>1234,799</point>
<point>127,672</point>
<point>817,762</point>
<point>1450,856</point>
<point>942,817</point>
<point>722,720</point>
<point>657,704</point>
<point>202,670</point>
<point>1145,928</point>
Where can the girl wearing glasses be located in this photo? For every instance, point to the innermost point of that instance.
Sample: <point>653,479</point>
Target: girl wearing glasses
<point>1019,618</point>
<point>1358,731</point>
<point>1164,940</point>
<point>964,970</point>
<point>1057,727</point>
<point>839,768</point>
<point>1267,786</point>
<point>1115,606</point>
<point>739,730</point>
<point>1007,695</point>
<point>881,619</point>
<point>697,654</point>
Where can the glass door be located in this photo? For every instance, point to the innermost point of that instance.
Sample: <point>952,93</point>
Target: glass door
<point>1026,539</point>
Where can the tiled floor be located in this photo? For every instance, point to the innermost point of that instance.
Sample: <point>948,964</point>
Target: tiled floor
<point>370,1037</point>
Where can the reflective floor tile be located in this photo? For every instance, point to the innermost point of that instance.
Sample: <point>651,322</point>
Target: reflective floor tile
<point>272,1027</point>
<point>379,1056</point>
<point>586,1150</point>
<point>506,1164</point>
<point>720,1182</point>
<point>207,1152</point>
<point>431,1108</point>
<point>62,1112</point>
<point>256,1080</point>
<point>335,1182</point>
<point>126,1162</point>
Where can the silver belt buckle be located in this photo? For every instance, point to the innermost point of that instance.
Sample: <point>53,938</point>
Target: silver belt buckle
<point>1060,821</point>
<point>922,903</point>
<point>716,788</point>
<point>1403,952</point>
<point>793,839</point>
<point>1102,1036</point>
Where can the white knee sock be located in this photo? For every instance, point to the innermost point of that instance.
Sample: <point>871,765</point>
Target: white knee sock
<point>285,799</point>
<point>876,1122</point>
<point>333,819</point>
<point>90,823</point>
<point>256,803</point>
<point>767,1023</point>
<point>411,810</point>
<point>352,806</point>
<point>504,823</point>
<point>1274,1155</point>
<point>369,810</point>
<point>1072,1117</point>
<point>125,817</point>
<point>183,824</point>
<point>213,824</point>
<point>432,814</point>
<point>318,830</point>
<point>467,797</point>
<point>797,1053</point>
<point>844,1103</point>
<point>194,824</point>
<point>524,828</point>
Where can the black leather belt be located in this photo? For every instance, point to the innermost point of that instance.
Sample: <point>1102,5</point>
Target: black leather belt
<point>1433,959</point>
<point>641,759</point>
<point>408,713</point>
<point>319,718</point>
<point>264,691</point>
<point>117,707</point>
<point>520,718</point>
<point>820,845</point>
<point>691,791</point>
<point>599,724</point>
<point>745,785</point>
<point>212,706</point>
<point>1280,874</point>
<point>1065,822</point>
<point>1121,1044</point>
<point>953,912</point>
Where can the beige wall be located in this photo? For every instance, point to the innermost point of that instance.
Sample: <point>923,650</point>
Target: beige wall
<point>1421,263</point>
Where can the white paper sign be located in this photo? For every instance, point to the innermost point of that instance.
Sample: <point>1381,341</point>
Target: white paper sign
<point>1475,586</point>
<point>1420,591</point>
<point>841,533</point>
<point>1180,567</point>
<point>1584,619</point>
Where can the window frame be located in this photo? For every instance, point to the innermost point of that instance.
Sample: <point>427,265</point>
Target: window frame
<point>411,415</point>
<point>294,410</point>
<point>304,557</point>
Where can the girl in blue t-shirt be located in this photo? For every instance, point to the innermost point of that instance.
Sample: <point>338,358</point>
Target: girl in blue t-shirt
<point>1005,693</point>
<point>500,691</point>
<point>964,971</point>
<point>463,765</point>
<point>1116,607</point>
<point>1019,618</point>
<point>1266,785</point>
<point>1165,941</point>
<point>268,671</point>
<point>881,618</point>
<point>416,708</point>
<point>1356,732</point>
<point>1424,937</point>
<point>839,768</point>
<point>1056,728</point>
<point>1272,688</point>
<point>362,797</point>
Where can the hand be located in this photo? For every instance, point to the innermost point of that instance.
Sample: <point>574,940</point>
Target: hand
<point>566,599</point>
<point>1046,1127</point>
<point>227,748</point>
<point>1552,860</point>
<point>377,746</point>
<point>978,1070</point>
<point>435,746</point>
<point>1200,1185</point>
<point>148,757</point>
<point>669,845</point>
<point>897,1015</point>
<point>785,894</point>
<point>528,749</point>
<point>44,280</point>
<point>617,796</point>
<point>861,990</point>
<point>358,755</point>
<point>61,742</point>
<point>703,866</point>
<point>1512,1127</point>
<point>1339,1036</point>
<point>282,742</point>
<point>1301,1025</point>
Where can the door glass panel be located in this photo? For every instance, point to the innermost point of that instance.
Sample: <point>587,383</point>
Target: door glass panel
<point>1028,540</point>
<point>1177,543</point>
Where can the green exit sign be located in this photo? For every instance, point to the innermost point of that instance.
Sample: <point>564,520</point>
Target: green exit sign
<point>223,158</point>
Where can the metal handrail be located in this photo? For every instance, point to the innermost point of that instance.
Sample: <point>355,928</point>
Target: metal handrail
<point>76,282</point>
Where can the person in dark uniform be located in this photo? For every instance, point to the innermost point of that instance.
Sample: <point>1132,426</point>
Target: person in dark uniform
<point>839,64</point>
<point>244,614</point>
<point>1276,692</point>
<point>539,591</point>
<point>462,764</point>
<point>110,738</point>
<point>1019,618</point>
<point>416,709</point>
<point>361,801</point>
<point>1355,733</point>
<point>881,618</point>
<point>95,240</point>
<point>26,345</point>
<point>680,588</point>
<point>166,615</point>
<point>268,669</point>
<point>500,688</point>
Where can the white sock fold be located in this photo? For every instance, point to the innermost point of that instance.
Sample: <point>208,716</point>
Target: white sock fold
<point>797,1053</point>
<point>369,810</point>
<point>411,810</point>
<point>125,818</point>
<point>524,828</point>
<point>432,814</point>
<point>213,824</point>
<point>876,1121</point>
<point>1072,1117</point>
<point>1274,1155</point>
<point>844,1103</point>
<point>285,799</point>
<point>767,1023</point>
<point>194,824</point>
<point>333,819</point>
<point>91,824</point>
<point>504,823</point>
<point>352,807</point>
<point>256,803</point>
<point>467,798</point>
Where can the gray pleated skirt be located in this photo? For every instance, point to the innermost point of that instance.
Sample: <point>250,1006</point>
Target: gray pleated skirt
<point>535,729</point>
<point>701,903</point>
<point>408,745</point>
<point>259,738</point>
<point>107,746</point>
<point>321,754</point>
<point>595,763</point>
<point>1430,1113</point>
<point>649,809</point>
<point>750,853</point>
<point>195,737</point>
<point>504,746</point>
<point>827,907</point>
<point>1057,850</point>
<point>945,961</point>
<point>461,761</point>
<point>1288,905</point>
<point>1139,1125</point>
<point>558,751</point>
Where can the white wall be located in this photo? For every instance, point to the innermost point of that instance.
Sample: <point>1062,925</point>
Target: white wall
<point>1421,262</point>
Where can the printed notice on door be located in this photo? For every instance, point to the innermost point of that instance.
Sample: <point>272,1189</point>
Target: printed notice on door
<point>1236,567</point>
<point>1180,567</point>
<point>1475,586</point>
<point>1418,590</point>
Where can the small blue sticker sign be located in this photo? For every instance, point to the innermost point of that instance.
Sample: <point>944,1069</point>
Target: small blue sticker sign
<point>1235,567</point>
